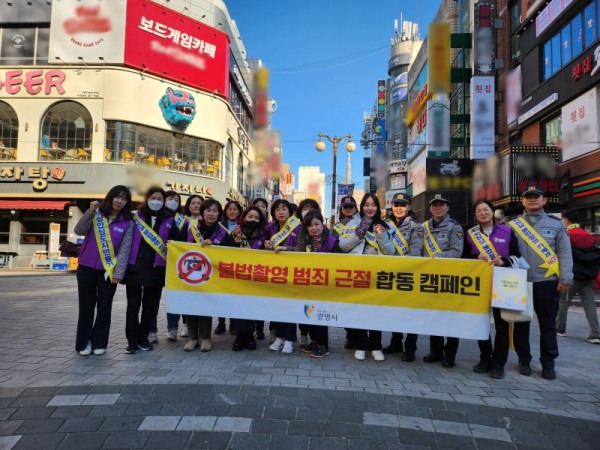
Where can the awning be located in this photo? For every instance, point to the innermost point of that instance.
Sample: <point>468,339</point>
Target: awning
<point>33,204</point>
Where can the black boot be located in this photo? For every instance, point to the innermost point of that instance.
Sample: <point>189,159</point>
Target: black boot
<point>220,329</point>
<point>250,341</point>
<point>396,345</point>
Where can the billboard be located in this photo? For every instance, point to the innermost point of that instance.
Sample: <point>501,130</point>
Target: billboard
<point>438,128</point>
<point>143,35</point>
<point>513,95</point>
<point>580,125</point>
<point>483,125</point>
<point>484,38</point>
<point>448,174</point>
<point>439,58</point>
<point>417,169</point>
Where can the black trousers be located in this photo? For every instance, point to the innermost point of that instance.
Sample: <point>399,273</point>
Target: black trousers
<point>438,349</point>
<point>498,354</point>
<point>319,334</point>
<point>365,339</point>
<point>545,303</point>
<point>95,295</point>
<point>244,326</point>
<point>408,345</point>
<point>148,298</point>
<point>284,330</point>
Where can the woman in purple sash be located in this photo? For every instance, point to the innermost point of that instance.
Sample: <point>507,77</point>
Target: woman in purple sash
<point>207,231</point>
<point>318,240</point>
<point>145,275</point>
<point>95,285</point>
<point>251,234</point>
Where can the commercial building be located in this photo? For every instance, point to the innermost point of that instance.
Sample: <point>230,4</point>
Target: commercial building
<point>95,94</point>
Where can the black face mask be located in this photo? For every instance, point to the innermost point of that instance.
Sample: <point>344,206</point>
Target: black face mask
<point>252,225</point>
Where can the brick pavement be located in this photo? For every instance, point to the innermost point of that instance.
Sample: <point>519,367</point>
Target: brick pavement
<point>50,397</point>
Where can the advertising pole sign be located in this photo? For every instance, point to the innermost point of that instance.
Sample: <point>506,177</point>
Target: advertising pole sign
<point>484,38</point>
<point>438,128</point>
<point>580,125</point>
<point>483,134</point>
<point>439,58</point>
<point>53,243</point>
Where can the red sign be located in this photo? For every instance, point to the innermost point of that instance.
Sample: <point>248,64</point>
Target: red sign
<point>581,68</point>
<point>172,45</point>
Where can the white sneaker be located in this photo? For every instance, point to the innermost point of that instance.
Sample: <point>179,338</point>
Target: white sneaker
<point>595,341</point>
<point>378,355</point>
<point>184,331</point>
<point>99,351</point>
<point>87,350</point>
<point>288,347</point>
<point>276,345</point>
<point>171,335</point>
<point>152,338</point>
<point>303,340</point>
<point>360,355</point>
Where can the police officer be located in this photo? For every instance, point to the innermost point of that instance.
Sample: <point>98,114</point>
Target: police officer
<point>411,244</point>
<point>443,237</point>
<point>545,245</point>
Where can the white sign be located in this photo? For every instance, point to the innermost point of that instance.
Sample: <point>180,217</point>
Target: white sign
<point>537,108</point>
<point>438,128</point>
<point>398,166</point>
<point>54,241</point>
<point>513,95</point>
<point>483,124</point>
<point>580,125</point>
<point>418,173</point>
<point>87,31</point>
<point>398,181</point>
<point>549,14</point>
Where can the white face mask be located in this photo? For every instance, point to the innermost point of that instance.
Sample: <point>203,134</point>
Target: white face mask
<point>304,213</point>
<point>173,205</point>
<point>155,205</point>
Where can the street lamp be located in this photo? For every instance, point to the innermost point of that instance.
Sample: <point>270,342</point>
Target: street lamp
<point>320,146</point>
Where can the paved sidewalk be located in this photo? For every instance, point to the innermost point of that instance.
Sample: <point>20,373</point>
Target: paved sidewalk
<point>50,397</point>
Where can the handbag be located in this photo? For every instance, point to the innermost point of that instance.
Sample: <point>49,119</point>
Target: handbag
<point>509,315</point>
<point>69,249</point>
<point>509,288</point>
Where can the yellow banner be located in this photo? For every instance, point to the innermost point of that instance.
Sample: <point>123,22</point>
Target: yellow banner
<point>454,285</point>
<point>439,58</point>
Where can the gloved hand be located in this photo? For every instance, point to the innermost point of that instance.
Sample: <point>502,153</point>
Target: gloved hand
<point>362,229</point>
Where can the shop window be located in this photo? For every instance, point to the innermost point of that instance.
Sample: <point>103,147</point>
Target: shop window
<point>240,173</point>
<point>565,36</point>
<point>9,132</point>
<point>576,36</point>
<point>17,46</point>
<point>590,25</point>
<point>547,60</point>
<point>66,133</point>
<point>35,226</point>
<point>228,163</point>
<point>553,131</point>
<point>556,52</point>
<point>42,47</point>
<point>5,219</point>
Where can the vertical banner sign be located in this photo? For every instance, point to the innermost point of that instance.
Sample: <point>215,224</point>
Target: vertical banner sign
<point>438,128</point>
<point>53,243</point>
<point>580,125</point>
<point>439,58</point>
<point>484,38</point>
<point>483,134</point>
<point>261,98</point>
<point>380,99</point>
<point>344,190</point>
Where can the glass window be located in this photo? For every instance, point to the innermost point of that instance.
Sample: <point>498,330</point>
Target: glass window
<point>589,21</point>
<point>9,131</point>
<point>515,49</point>
<point>553,131</point>
<point>228,163</point>
<point>17,46</point>
<point>42,48</point>
<point>547,60</point>
<point>240,173</point>
<point>565,38</point>
<point>515,15</point>
<point>556,47</point>
<point>576,36</point>
<point>66,132</point>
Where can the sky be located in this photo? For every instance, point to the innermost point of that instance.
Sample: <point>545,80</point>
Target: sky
<point>325,57</point>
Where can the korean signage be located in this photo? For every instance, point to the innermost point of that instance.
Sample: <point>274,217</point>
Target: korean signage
<point>549,14</point>
<point>261,98</point>
<point>513,95</point>
<point>144,35</point>
<point>534,166</point>
<point>54,240</point>
<point>398,181</point>
<point>483,129</point>
<point>418,295</point>
<point>417,106</point>
<point>484,38</point>
<point>380,99</point>
<point>438,128</point>
<point>36,81</point>
<point>417,170</point>
<point>580,126</point>
<point>537,108</point>
<point>398,166</point>
<point>446,174</point>
<point>439,58</point>
<point>190,189</point>
<point>38,176</point>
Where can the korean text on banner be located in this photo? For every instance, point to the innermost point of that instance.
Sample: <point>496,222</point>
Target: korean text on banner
<point>445,297</point>
<point>509,289</point>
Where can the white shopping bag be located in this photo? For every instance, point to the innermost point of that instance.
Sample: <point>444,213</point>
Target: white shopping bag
<point>520,316</point>
<point>509,289</point>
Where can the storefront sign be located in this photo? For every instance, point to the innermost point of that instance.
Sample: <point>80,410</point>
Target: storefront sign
<point>417,169</point>
<point>582,67</point>
<point>538,108</point>
<point>398,166</point>
<point>243,140</point>
<point>438,128</point>
<point>240,83</point>
<point>438,77</point>
<point>235,195</point>
<point>484,38</point>
<point>445,174</point>
<point>549,15</point>
<point>37,175</point>
<point>417,106</point>
<point>398,181</point>
<point>33,81</point>
<point>483,129</point>
<point>580,126</point>
<point>189,189</point>
<point>535,166</point>
<point>54,239</point>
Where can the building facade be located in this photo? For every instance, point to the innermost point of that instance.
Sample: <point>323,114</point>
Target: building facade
<point>95,94</point>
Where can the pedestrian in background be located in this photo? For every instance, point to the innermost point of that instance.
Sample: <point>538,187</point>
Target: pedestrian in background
<point>106,225</point>
<point>586,263</point>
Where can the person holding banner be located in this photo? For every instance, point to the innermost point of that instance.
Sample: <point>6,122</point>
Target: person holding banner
<point>108,229</point>
<point>407,237</point>
<point>145,275</point>
<point>367,233</point>
<point>205,229</point>
<point>263,205</point>
<point>443,237</point>
<point>233,211</point>
<point>545,245</point>
<point>282,233</point>
<point>251,234</point>
<point>493,243</point>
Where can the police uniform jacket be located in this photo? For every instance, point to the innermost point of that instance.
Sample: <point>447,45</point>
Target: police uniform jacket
<point>351,243</point>
<point>555,234</point>
<point>412,231</point>
<point>449,235</point>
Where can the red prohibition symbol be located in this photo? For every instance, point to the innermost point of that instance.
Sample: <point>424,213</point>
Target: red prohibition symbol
<point>194,268</point>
